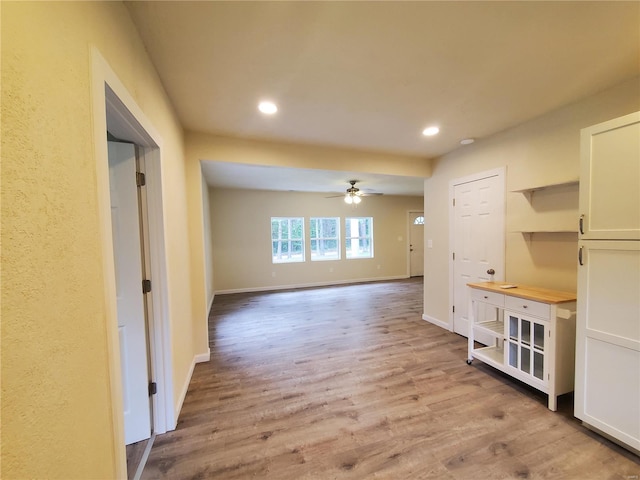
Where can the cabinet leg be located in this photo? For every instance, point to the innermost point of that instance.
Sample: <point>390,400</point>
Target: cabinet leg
<point>553,403</point>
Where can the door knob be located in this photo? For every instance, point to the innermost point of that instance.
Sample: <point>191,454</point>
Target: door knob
<point>491,271</point>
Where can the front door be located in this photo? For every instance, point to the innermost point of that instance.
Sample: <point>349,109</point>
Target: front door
<point>416,244</point>
<point>132,330</point>
<point>478,239</point>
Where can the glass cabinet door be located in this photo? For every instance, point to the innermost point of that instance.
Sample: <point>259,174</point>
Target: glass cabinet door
<point>526,345</point>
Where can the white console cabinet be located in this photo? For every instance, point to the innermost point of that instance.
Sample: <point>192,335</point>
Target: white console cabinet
<point>533,331</point>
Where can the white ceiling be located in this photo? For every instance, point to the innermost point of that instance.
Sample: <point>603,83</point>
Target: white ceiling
<point>372,75</point>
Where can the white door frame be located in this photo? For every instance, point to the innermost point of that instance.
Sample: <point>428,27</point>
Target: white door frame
<point>111,99</point>
<point>501,174</point>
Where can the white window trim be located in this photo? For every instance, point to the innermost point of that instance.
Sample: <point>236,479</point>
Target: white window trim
<point>290,240</point>
<point>337,238</point>
<point>370,238</point>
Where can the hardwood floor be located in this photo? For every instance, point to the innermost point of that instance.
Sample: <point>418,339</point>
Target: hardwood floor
<point>350,382</point>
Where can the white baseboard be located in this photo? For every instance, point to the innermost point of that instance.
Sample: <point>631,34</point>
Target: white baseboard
<point>202,357</point>
<point>307,285</point>
<point>183,392</point>
<point>435,321</point>
<point>213,297</point>
<point>199,358</point>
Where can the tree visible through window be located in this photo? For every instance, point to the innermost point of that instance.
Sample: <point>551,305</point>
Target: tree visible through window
<point>287,239</point>
<point>325,238</point>
<point>358,234</point>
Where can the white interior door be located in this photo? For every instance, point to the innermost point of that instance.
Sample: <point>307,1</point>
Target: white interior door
<point>130,302</point>
<point>477,241</point>
<point>416,244</point>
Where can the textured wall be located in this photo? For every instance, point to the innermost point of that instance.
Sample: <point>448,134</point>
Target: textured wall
<point>56,399</point>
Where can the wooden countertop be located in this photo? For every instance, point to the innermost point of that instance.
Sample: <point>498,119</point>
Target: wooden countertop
<point>524,291</point>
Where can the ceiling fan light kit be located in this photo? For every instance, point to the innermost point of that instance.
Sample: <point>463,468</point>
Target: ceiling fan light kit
<point>352,198</point>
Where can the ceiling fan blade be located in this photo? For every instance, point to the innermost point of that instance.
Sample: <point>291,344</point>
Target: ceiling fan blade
<point>371,194</point>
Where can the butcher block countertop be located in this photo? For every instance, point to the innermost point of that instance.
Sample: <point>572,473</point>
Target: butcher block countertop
<point>524,291</point>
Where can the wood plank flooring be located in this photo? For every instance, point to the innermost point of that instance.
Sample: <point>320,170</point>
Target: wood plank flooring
<point>349,382</point>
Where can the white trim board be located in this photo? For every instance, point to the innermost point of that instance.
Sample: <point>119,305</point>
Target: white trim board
<point>308,285</point>
<point>435,321</point>
<point>200,358</point>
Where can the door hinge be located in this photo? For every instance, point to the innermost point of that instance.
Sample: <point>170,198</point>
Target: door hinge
<point>454,202</point>
<point>141,180</point>
<point>146,286</point>
<point>453,308</point>
<point>454,255</point>
<point>153,388</point>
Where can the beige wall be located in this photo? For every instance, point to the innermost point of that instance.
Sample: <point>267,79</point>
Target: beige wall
<point>541,151</point>
<point>241,222</point>
<point>202,146</point>
<point>56,398</point>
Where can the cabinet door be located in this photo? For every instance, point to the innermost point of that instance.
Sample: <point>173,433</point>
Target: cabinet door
<point>610,179</point>
<point>608,339</point>
<point>527,347</point>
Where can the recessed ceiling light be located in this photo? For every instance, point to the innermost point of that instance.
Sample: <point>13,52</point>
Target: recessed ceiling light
<point>430,131</point>
<point>268,108</point>
<point>467,141</point>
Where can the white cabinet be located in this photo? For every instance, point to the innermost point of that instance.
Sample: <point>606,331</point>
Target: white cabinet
<point>533,332</point>
<point>610,180</point>
<point>607,395</point>
<point>608,339</point>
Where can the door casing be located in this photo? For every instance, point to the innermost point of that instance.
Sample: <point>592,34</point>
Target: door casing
<point>115,108</point>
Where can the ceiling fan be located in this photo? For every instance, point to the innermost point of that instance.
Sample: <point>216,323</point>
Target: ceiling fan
<point>353,194</point>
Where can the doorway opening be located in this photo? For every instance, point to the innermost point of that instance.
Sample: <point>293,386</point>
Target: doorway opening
<point>115,111</point>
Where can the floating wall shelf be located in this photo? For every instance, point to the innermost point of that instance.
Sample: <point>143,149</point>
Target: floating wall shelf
<point>528,192</point>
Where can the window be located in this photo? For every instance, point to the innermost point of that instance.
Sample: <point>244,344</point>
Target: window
<point>325,239</point>
<point>358,234</point>
<point>287,239</point>
<point>419,221</point>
